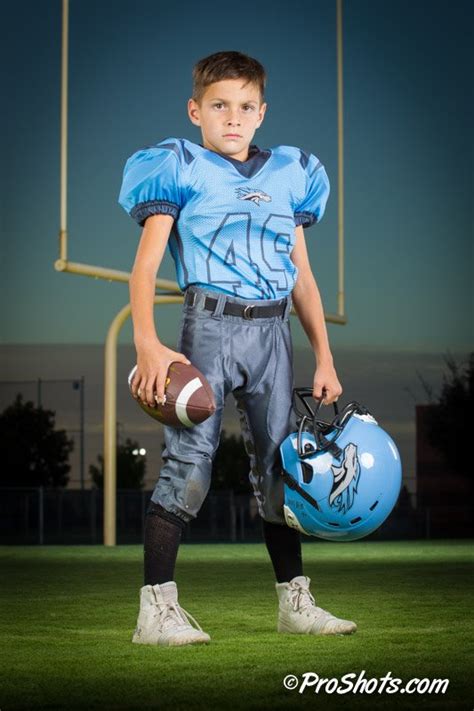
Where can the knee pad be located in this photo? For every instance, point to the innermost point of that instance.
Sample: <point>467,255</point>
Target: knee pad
<point>155,509</point>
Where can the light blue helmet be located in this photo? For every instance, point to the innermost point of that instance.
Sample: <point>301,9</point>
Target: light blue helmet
<point>342,478</point>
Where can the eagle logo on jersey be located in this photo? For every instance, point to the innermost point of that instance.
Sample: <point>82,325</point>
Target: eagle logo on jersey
<point>253,195</point>
<point>346,478</point>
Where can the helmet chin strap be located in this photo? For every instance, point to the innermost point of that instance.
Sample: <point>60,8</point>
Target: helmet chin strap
<point>293,484</point>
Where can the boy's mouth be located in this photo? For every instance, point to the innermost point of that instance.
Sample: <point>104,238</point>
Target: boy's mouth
<point>232,135</point>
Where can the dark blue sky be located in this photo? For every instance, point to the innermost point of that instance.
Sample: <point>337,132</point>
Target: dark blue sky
<point>408,152</point>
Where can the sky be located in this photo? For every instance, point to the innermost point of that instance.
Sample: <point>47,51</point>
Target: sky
<point>408,155</point>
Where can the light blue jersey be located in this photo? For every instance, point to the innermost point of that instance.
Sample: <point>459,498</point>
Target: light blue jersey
<point>234,226</point>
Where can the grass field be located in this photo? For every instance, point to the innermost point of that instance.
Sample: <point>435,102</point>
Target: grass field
<point>68,614</point>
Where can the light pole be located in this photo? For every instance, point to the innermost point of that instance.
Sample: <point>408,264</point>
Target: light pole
<point>79,385</point>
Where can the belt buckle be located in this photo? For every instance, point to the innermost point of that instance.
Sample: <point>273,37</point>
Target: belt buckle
<point>247,312</point>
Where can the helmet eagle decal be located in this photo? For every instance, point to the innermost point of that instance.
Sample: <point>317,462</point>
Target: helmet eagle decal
<point>346,478</point>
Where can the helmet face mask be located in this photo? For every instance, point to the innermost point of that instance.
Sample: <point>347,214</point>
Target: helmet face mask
<point>342,477</point>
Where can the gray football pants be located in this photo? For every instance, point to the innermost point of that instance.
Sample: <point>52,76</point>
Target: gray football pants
<point>253,359</point>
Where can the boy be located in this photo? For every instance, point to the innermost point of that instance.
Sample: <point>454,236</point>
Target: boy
<point>235,214</point>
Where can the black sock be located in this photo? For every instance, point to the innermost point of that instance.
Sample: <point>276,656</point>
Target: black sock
<point>284,546</point>
<point>162,538</point>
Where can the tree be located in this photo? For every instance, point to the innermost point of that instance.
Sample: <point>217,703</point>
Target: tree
<point>32,451</point>
<point>131,468</point>
<point>448,421</point>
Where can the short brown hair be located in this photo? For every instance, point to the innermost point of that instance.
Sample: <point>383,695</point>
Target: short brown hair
<point>227,65</point>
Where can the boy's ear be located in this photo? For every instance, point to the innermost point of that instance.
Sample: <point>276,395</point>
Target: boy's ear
<point>262,111</point>
<point>194,112</point>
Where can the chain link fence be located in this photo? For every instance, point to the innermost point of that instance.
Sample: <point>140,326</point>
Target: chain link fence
<point>45,516</point>
<point>31,516</point>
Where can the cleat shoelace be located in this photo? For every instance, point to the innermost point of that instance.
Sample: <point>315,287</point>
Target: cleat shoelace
<point>173,610</point>
<point>302,599</point>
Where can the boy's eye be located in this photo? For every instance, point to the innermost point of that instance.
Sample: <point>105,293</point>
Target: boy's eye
<point>246,107</point>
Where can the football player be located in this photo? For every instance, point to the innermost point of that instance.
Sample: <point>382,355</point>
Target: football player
<point>233,215</point>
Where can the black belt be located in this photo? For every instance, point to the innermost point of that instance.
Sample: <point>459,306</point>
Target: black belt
<point>233,309</point>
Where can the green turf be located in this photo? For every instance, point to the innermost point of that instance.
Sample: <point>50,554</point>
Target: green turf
<point>68,614</point>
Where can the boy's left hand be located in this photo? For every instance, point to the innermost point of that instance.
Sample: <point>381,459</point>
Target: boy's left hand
<point>325,379</point>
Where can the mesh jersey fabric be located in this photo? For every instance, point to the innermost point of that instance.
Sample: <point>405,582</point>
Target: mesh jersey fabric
<point>234,220</point>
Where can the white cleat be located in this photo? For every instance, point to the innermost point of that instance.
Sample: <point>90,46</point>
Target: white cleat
<point>161,619</point>
<point>298,613</point>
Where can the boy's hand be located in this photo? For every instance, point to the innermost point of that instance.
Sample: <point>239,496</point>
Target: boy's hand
<point>149,380</point>
<point>325,379</point>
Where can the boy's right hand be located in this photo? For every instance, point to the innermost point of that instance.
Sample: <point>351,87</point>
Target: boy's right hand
<point>149,380</point>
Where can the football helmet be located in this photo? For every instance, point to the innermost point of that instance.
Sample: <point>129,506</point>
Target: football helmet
<point>341,478</point>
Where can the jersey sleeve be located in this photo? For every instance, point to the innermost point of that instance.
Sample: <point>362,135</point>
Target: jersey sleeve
<point>151,184</point>
<point>312,206</point>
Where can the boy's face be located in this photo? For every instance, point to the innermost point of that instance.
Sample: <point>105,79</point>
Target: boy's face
<point>229,114</point>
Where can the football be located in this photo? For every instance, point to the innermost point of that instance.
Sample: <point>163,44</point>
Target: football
<point>189,399</point>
